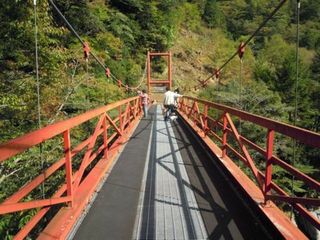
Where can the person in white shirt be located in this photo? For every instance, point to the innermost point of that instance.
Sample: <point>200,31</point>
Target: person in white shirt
<point>169,102</point>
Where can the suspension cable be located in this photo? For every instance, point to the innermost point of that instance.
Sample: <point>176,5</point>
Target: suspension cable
<point>296,94</point>
<point>37,61</point>
<point>297,63</point>
<point>143,75</point>
<point>38,87</point>
<point>71,28</point>
<point>71,90</point>
<point>250,38</point>
<point>75,32</point>
<point>139,84</point>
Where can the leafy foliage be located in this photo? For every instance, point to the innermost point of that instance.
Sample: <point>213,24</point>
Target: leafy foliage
<point>120,33</point>
<point>213,15</point>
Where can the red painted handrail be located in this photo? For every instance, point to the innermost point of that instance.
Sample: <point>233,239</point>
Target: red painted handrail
<point>303,135</point>
<point>119,124</point>
<point>189,108</point>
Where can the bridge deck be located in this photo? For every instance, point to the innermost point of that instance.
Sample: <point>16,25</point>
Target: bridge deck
<point>165,186</point>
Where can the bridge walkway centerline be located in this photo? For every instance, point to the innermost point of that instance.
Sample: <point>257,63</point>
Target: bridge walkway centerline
<point>164,186</point>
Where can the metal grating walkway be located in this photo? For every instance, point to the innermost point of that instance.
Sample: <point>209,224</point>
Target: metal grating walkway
<point>165,186</point>
<point>168,209</point>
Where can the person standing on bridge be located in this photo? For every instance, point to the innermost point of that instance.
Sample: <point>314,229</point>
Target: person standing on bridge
<point>144,101</point>
<point>169,102</point>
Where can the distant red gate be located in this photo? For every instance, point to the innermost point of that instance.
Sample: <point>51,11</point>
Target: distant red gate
<point>161,82</point>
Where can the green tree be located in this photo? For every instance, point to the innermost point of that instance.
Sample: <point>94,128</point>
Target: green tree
<point>315,67</point>
<point>79,15</point>
<point>213,16</point>
<point>310,10</point>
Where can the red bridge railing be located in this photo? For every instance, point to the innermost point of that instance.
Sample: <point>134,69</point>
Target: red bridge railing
<point>113,127</point>
<point>197,112</point>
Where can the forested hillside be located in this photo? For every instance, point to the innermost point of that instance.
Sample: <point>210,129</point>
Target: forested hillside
<point>201,34</point>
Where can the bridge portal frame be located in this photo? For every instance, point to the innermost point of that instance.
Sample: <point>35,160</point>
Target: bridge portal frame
<point>166,82</point>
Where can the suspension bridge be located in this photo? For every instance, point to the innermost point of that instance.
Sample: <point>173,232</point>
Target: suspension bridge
<point>146,178</point>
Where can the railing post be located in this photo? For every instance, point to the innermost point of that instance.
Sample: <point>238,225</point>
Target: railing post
<point>181,104</point>
<point>139,109</point>
<point>129,114</point>
<point>139,106</point>
<point>105,138</point>
<point>149,72</point>
<point>224,137</point>
<point>169,71</point>
<point>205,119</point>
<point>268,173</point>
<point>120,119</point>
<point>135,108</point>
<point>185,102</point>
<point>68,164</point>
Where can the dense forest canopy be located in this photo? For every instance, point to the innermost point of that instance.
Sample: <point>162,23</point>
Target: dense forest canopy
<point>121,32</point>
<point>202,34</point>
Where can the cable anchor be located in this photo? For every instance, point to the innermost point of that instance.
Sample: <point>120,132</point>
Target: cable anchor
<point>86,51</point>
<point>241,50</point>
<point>108,73</point>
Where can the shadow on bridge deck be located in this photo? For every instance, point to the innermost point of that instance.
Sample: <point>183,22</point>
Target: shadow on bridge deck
<point>165,186</point>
